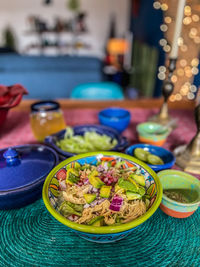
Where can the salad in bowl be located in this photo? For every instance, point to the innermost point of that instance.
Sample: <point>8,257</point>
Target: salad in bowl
<point>102,194</point>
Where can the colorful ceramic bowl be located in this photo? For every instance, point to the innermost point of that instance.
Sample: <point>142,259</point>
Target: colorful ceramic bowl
<point>150,133</point>
<point>187,185</point>
<point>102,234</point>
<point>117,118</point>
<point>161,152</point>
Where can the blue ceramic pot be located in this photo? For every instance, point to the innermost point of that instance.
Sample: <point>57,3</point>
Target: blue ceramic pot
<point>23,170</point>
<point>80,130</point>
<point>164,154</point>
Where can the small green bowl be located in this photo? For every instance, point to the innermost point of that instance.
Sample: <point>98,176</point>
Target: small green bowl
<point>102,234</point>
<point>190,185</point>
<point>146,133</point>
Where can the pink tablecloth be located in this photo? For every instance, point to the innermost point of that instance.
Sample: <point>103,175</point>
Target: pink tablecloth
<point>17,131</point>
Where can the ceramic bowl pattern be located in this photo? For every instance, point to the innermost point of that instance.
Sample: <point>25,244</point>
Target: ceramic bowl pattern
<point>102,234</point>
<point>122,141</point>
<point>117,118</point>
<point>171,179</point>
<point>163,153</point>
<point>146,133</point>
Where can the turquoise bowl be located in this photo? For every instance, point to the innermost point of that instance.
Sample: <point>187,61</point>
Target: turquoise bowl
<point>172,179</point>
<point>102,234</point>
<point>147,133</point>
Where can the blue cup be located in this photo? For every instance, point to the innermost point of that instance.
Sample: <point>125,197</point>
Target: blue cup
<point>117,118</point>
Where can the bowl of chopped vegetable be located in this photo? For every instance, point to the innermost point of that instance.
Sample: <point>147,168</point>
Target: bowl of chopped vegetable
<point>86,138</point>
<point>181,193</point>
<point>157,158</point>
<point>102,196</point>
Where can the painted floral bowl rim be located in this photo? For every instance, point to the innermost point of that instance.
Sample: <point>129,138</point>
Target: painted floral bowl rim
<point>102,229</point>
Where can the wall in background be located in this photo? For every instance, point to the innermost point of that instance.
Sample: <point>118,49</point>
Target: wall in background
<point>15,13</point>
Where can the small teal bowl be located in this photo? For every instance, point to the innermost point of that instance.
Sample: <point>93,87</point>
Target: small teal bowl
<point>102,234</point>
<point>147,133</point>
<point>164,154</point>
<point>117,118</point>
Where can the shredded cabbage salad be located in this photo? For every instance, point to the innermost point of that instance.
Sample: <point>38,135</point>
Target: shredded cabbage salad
<point>89,142</point>
<point>109,193</point>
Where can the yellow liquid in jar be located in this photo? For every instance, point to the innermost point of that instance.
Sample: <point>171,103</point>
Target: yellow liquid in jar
<point>46,123</point>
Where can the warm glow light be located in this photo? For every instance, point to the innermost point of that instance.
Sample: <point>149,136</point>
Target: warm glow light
<point>163,27</point>
<point>161,76</point>
<point>188,74</point>
<point>195,62</point>
<point>178,97</point>
<point>156,5</point>
<point>180,41</point>
<point>163,42</point>
<point>187,20</point>
<point>183,62</point>
<point>166,48</point>
<point>193,32</point>
<point>164,7</point>
<point>184,89</point>
<point>187,10</point>
<point>195,18</point>
<point>172,98</point>
<point>174,78</point>
<point>168,20</point>
<point>193,88</point>
<point>197,40</point>
<point>162,69</point>
<point>195,71</point>
<point>188,71</point>
<point>190,96</point>
<point>180,72</point>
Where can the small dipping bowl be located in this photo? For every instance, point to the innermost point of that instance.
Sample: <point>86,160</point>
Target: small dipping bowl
<point>186,183</point>
<point>147,133</point>
<point>117,118</point>
<point>167,157</point>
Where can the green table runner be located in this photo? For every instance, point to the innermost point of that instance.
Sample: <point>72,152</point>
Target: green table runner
<point>32,237</point>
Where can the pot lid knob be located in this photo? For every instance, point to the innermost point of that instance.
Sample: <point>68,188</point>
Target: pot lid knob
<point>11,155</point>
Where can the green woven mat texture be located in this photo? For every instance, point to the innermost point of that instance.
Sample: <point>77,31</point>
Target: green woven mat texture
<point>32,237</point>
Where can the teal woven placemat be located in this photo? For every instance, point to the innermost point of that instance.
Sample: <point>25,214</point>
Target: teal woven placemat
<point>32,237</point>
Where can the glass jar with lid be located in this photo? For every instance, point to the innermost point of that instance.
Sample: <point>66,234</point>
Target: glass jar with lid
<point>46,118</point>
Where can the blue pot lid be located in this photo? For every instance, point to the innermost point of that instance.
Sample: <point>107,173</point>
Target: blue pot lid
<point>22,166</point>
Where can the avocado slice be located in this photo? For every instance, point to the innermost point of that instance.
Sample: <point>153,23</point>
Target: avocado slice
<point>97,221</point>
<point>127,185</point>
<point>72,176</point>
<point>131,195</point>
<point>105,191</point>
<point>154,160</point>
<point>89,197</point>
<point>130,179</point>
<point>139,179</point>
<point>141,154</point>
<point>141,191</point>
<point>96,182</point>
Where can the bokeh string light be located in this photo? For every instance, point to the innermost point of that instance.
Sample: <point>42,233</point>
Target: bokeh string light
<point>187,68</point>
